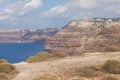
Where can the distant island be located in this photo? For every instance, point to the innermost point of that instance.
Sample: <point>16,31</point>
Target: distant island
<point>25,35</point>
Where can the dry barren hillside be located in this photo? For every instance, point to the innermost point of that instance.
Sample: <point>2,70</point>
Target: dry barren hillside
<point>35,71</point>
<point>86,35</point>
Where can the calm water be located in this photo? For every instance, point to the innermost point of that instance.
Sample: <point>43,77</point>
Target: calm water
<point>17,52</point>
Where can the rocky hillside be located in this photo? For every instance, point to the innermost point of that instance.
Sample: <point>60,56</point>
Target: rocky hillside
<point>25,36</point>
<point>86,35</point>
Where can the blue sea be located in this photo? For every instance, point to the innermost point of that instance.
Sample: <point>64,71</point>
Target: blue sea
<point>17,52</point>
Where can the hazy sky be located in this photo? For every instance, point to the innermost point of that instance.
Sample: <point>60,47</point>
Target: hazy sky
<point>53,13</point>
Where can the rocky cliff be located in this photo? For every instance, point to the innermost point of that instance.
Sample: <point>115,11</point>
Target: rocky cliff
<point>25,36</point>
<point>86,35</point>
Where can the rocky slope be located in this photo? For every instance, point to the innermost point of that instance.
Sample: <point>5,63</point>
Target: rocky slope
<point>25,36</point>
<point>86,35</point>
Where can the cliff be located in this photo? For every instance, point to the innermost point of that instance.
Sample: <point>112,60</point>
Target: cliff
<point>86,35</point>
<point>38,35</point>
<point>25,36</point>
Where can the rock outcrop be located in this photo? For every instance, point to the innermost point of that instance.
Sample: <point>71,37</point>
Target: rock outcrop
<point>86,35</point>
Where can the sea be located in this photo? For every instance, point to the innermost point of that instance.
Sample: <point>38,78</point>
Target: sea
<point>19,52</point>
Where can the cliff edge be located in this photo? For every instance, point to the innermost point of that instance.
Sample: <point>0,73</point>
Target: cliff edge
<point>86,35</point>
<point>25,35</point>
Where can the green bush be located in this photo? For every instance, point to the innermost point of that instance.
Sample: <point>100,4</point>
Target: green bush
<point>109,78</point>
<point>4,76</point>
<point>112,66</point>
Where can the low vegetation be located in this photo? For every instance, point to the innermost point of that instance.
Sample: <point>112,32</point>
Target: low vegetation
<point>44,56</point>
<point>100,72</point>
<point>109,78</point>
<point>3,61</point>
<point>89,72</point>
<point>7,70</point>
<point>112,66</point>
<point>4,76</point>
<point>86,72</point>
<point>51,77</point>
<point>59,55</point>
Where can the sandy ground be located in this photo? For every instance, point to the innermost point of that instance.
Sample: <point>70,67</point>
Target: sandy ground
<point>30,70</point>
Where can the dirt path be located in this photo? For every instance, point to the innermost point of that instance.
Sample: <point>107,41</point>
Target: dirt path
<point>28,71</point>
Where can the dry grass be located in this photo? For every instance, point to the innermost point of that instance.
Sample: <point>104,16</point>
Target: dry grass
<point>4,76</point>
<point>88,72</point>
<point>109,78</point>
<point>112,66</point>
<point>51,77</point>
<point>69,68</point>
<point>3,61</point>
<point>59,55</point>
<point>70,73</point>
<point>44,56</point>
<point>7,70</point>
<point>61,75</point>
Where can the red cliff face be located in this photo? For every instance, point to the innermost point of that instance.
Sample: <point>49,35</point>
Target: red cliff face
<point>88,35</point>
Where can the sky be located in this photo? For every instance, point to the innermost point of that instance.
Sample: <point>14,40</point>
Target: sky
<point>40,14</point>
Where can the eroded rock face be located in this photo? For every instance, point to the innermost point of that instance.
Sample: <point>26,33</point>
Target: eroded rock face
<point>86,35</point>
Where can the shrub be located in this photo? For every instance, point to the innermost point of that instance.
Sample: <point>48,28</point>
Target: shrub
<point>42,56</point>
<point>45,78</point>
<point>59,55</point>
<point>3,76</point>
<point>3,61</point>
<point>57,76</point>
<point>109,78</point>
<point>33,59</point>
<point>112,66</point>
<point>89,72</point>
<point>7,68</point>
